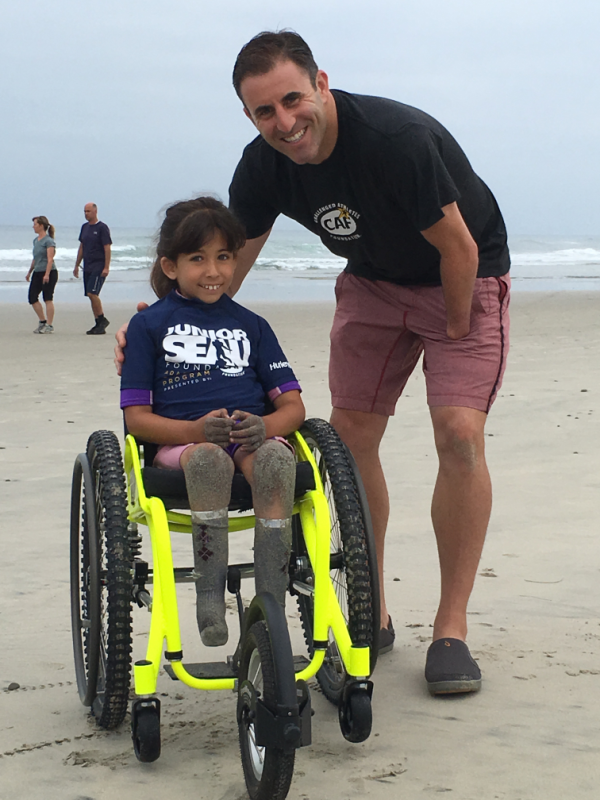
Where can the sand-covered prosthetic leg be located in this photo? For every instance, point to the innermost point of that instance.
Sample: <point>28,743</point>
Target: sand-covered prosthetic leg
<point>208,477</point>
<point>274,478</point>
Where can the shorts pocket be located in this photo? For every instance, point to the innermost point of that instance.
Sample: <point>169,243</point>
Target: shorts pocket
<point>480,303</point>
<point>341,278</point>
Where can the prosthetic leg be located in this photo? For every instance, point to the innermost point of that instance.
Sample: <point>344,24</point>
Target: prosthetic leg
<point>208,477</point>
<point>274,477</point>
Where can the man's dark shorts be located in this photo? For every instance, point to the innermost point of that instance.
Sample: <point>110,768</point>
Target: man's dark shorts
<point>37,285</point>
<point>380,330</point>
<point>92,282</point>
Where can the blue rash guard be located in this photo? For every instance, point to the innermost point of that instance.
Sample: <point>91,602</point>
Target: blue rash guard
<point>186,358</point>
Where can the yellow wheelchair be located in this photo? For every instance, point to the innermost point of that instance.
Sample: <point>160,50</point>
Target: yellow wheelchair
<point>332,573</point>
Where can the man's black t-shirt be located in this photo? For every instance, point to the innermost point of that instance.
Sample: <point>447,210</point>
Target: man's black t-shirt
<point>392,170</point>
<point>93,238</point>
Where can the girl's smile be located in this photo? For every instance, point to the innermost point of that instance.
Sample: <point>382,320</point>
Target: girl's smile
<point>204,275</point>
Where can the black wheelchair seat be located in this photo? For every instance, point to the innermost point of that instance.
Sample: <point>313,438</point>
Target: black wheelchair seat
<point>169,486</point>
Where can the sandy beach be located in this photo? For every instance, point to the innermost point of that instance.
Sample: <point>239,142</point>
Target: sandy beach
<point>531,733</point>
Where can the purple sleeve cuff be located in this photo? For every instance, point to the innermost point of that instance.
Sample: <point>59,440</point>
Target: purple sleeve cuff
<point>290,386</point>
<point>136,397</point>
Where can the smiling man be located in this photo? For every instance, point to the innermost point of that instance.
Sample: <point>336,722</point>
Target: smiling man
<point>387,187</point>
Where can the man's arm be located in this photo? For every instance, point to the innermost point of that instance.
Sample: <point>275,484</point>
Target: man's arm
<point>78,261</point>
<point>245,260</point>
<point>106,260</point>
<point>458,267</point>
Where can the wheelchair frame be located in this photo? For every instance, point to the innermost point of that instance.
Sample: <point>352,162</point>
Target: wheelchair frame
<point>314,516</point>
<point>105,550</point>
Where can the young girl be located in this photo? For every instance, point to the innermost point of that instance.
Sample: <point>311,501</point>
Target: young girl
<point>199,372</point>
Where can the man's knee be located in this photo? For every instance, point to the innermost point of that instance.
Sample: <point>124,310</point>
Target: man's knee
<point>459,436</point>
<point>360,431</point>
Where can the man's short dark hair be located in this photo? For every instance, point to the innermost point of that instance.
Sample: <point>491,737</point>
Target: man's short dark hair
<point>266,49</point>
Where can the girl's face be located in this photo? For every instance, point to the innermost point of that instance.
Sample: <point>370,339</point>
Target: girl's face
<point>204,275</point>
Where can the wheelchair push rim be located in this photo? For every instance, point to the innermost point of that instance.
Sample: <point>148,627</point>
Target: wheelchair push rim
<point>85,582</point>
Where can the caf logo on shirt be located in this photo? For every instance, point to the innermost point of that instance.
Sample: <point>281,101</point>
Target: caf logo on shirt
<point>338,220</point>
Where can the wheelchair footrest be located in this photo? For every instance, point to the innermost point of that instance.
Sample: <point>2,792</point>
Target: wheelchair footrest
<point>211,669</point>
<point>219,669</point>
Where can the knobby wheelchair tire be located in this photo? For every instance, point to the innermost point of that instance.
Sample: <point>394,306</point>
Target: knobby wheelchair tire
<point>268,771</point>
<point>111,699</point>
<point>85,582</point>
<point>353,562</point>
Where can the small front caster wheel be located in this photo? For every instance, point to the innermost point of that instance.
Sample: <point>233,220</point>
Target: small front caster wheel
<point>356,716</point>
<point>145,729</point>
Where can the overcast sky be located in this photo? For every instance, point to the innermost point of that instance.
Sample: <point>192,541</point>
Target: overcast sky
<point>129,103</point>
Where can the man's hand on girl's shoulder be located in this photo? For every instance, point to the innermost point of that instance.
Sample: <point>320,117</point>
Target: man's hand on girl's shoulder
<point>121,338</point>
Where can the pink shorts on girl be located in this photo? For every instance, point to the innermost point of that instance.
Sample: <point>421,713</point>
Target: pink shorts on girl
<point>168,455</point>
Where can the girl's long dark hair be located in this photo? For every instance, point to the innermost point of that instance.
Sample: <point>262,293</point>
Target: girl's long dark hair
<point>187,227</point>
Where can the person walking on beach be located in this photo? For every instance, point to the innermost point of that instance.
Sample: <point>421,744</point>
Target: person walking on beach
<point>43,274</point>
<point>387,187</point>
<point>94,250</point>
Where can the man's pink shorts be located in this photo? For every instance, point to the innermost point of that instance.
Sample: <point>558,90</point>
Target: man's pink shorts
<point>380,330</point>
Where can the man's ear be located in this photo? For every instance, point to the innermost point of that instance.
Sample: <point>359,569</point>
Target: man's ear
<point>169,268</point>
<point>322,81</point>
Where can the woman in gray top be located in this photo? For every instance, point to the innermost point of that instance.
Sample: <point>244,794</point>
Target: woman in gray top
<point>43,274</point>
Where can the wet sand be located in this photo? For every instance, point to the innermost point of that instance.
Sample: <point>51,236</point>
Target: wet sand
<point>531,733</point>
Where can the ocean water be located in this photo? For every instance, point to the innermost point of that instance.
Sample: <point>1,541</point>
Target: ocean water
<point>293,266</point>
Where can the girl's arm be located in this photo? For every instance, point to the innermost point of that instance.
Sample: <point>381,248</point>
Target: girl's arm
<point>50,251</point>
<point>150,427</point>
<point>289,414</point>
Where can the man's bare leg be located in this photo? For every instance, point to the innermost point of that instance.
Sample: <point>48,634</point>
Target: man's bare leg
<point>96,305</point>
<point>460,511</point>
<point>362,433</point>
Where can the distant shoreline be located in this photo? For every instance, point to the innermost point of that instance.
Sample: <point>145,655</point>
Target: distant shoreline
<point>294,266</point>
<point>260,286</point>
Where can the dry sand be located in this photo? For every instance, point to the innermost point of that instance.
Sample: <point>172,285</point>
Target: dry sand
<point>531,733</point>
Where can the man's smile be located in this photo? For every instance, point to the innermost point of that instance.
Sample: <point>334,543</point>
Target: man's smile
<point>295,137</point>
